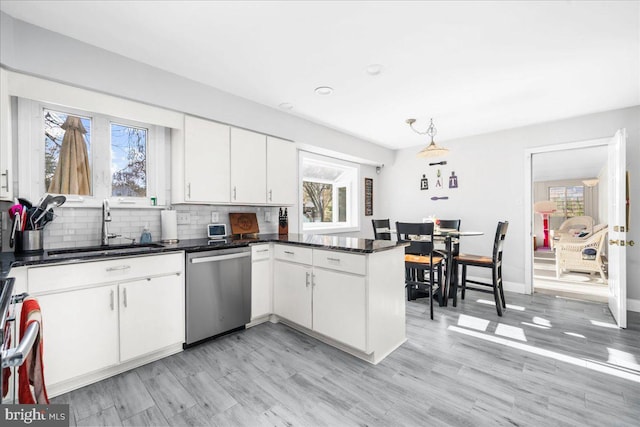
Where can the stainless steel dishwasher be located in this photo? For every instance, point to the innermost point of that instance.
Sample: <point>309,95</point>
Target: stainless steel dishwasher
<point>218,292</point>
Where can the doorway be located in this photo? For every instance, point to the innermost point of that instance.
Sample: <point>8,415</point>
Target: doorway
<point>569,190</point>
<point>556,174</point>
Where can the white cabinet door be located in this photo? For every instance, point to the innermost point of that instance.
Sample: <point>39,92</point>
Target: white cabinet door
<point>6,178</point>
<point>339,307</point>
<point>248,167</point>
<point>261,289</point>
<point>282,165</point>
<point>292,292</point>
<point>151,315</point>
<point>80,332</point>
<point>206,163</point>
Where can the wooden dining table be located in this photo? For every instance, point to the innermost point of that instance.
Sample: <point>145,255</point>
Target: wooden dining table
<point>447,235</point>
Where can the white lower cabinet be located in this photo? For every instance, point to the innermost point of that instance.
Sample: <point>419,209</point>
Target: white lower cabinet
<point>80,331</point>
<point>102,325</point>
<point>339,310</point>
<point>261,282</point>
<point>149,317</point>
<point>293,292</point>
<point>350,300</point>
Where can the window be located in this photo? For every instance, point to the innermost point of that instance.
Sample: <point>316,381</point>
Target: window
<point>329,194</point>
<point>569,200</point>
<point>128,161</point>
<point>89,156</point>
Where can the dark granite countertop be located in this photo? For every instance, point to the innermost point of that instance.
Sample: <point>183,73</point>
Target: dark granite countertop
<point>50,256</point>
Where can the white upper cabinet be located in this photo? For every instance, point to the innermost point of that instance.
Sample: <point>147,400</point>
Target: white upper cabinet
<point>200,162</point>
<point>6,175</point>
<point>248,167</point>
<point>281,172</point>
<point>218,164</point>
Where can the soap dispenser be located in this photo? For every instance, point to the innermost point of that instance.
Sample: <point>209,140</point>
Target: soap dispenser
<point>145,237</point>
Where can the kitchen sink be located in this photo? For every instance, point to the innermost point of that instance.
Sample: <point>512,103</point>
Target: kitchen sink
<point>105,250</point>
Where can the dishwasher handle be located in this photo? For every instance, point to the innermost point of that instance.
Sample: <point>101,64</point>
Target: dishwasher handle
<point>216,258</point>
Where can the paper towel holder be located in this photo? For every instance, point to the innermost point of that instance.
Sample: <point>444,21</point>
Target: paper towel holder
<point>169,226</point>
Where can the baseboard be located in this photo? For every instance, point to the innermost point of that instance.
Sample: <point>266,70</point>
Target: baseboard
<point>633,305</point>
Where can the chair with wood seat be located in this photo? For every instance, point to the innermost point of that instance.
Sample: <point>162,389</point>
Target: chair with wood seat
<point>493,262</point>
<point>381,229</point>
<point>421,265</point>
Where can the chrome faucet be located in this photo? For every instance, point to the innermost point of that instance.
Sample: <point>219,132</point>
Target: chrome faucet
<point>106,218</point>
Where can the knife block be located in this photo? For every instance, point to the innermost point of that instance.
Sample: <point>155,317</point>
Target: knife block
<point>283,223</point>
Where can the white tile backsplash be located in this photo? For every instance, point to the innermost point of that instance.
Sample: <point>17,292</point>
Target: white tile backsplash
<point>73,227</point>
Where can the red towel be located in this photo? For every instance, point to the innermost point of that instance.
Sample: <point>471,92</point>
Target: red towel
<point>31,372</point>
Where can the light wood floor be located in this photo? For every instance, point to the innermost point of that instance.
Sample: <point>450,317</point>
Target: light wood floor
<point>547,362</point>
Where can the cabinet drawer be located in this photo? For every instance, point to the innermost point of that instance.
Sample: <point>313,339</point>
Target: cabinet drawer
<point>259,252</point>
<point>59,277</point>
<point>293,253</point>
<point>349,263</point>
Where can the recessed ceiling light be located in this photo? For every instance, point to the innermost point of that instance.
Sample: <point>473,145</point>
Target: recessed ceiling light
<point>374,69</point>
<point>324,90</point>
<point>286,106</point>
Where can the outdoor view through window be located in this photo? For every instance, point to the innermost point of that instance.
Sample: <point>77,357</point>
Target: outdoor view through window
<point>69,159</point>
<point>569,200</point>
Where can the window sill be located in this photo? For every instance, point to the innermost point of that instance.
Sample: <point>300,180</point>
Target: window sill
<point>329,230</point>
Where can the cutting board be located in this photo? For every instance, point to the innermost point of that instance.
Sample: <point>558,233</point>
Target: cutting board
<point>243,223</point>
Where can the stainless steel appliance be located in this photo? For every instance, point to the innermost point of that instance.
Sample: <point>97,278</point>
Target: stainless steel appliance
<point>218,292</point>
<point>12,357</point>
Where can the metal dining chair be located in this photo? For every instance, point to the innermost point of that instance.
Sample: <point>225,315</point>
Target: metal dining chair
<point>381,229</point>
<point>494,263</point>
<point>421,265</point>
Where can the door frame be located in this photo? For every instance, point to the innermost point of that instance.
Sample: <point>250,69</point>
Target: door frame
<point>528,197</point>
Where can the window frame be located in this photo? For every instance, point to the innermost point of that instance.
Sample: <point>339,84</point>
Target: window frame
<point>565,199</point>
<point>31,158</point>
<point>353,189</point>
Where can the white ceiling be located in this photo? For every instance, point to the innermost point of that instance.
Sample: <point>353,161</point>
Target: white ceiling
<point>475,67</point>
<point>578,163</point>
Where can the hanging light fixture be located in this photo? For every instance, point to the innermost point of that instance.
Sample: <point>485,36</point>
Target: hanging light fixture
<point>432,150</point>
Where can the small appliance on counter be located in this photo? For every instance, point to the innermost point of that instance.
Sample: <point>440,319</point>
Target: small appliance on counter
<point>216,231</point>
<point>283,222</point>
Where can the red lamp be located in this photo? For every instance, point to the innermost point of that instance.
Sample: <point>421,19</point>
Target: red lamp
<point>545,208</point>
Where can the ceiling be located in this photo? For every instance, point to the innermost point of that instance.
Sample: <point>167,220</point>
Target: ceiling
<point>579,163</point>
<point>475,67</point>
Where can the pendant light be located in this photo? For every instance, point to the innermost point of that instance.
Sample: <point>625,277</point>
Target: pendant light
<point>432,150</point>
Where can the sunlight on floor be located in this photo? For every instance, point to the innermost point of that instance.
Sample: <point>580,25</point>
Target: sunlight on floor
<point>511,306</point>
<point>576,361</point>
<point>604,324</point>
<point>573,334</point>
<point>473,322</point>
<point>510,332</point>
<point>623,358</point>
<point>535,326</point>
<point>540,321</point>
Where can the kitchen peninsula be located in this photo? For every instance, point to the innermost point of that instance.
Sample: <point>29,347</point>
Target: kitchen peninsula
<point>346,292</point>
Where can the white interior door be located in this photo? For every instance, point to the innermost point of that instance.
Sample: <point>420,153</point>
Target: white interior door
<point>617,228</point>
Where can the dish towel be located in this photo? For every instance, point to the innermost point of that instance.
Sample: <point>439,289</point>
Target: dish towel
<point>31,372</point>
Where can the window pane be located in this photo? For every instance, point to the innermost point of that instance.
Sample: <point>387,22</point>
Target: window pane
<point>556,194</point>
<point>342,204</point>
<point>128,161</point>
<point>575,201</point>
<point>72,175</point>
<point>317,200</point>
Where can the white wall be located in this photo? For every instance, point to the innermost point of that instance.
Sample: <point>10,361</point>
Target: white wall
<point>490,170</point>
<point>27,48</point>
<point>33,50</point>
